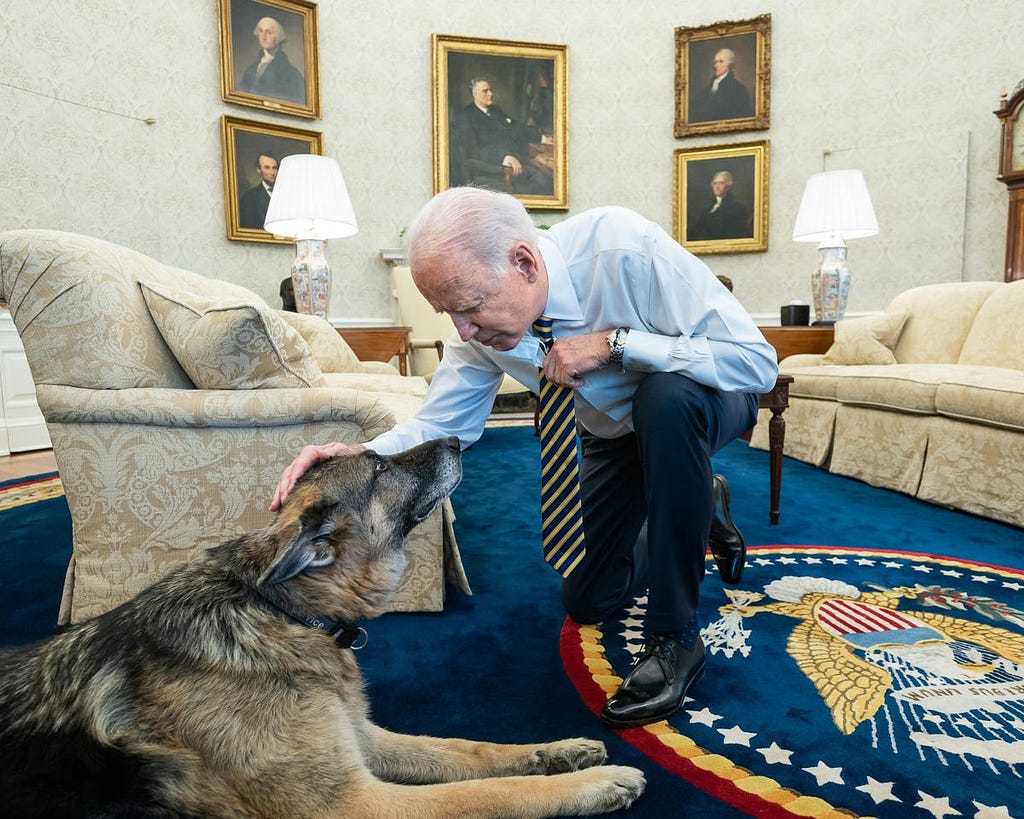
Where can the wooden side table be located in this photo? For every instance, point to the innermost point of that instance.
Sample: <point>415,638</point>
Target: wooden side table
<point>379,344</point>
<point>789,341</point>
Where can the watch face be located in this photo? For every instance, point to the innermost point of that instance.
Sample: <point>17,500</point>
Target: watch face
<point>1017,149</point>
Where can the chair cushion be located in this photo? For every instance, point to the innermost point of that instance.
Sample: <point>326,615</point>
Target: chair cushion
<point>228,343</point>
<point>866,340</point>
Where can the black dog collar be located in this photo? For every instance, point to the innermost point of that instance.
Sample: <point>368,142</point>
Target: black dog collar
<point>344,634</point>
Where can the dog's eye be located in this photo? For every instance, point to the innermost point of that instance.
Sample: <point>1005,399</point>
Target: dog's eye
<point>380,466</point>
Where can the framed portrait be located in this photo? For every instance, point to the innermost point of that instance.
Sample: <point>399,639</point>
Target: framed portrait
<point>269,55</point>
<point>252,153</point>
<point>720,198</point>
<point>500,118</point>
<point>723,74</point>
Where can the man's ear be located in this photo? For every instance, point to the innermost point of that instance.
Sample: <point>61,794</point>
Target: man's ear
<point>524,261</point>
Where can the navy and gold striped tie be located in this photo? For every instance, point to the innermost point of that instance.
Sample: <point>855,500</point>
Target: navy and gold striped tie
<point>560,510</point>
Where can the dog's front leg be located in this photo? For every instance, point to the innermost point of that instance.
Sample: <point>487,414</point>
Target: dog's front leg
<point>601,789</point>
<point>420,760</point>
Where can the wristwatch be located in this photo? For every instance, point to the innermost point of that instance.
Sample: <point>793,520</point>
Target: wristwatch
<point>617,345</point>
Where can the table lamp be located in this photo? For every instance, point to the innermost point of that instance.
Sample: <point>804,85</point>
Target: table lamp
<point>310,204</point>
<point>835,207</point>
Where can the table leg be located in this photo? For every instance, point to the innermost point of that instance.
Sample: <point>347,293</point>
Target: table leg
<point>776,440</point>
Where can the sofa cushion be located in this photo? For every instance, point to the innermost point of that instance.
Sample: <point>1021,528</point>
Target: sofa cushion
<point>229,343</point>
<point>941,316</point>
<point>995,336</point>
<point>866,340</point>
<point>987,395</point>
<point>904,387</point>
<point>330,350</point>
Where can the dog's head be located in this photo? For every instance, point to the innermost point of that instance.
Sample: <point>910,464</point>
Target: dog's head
<point>338,542</point>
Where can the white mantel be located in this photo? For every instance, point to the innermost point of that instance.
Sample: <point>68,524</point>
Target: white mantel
<point>22,427</point>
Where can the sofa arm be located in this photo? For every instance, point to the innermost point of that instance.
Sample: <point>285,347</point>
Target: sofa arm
<point>800,360</point>
<point>377,368</point>
<point>159,407</point>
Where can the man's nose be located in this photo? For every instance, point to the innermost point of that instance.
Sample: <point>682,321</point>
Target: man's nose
<point>466,328</point>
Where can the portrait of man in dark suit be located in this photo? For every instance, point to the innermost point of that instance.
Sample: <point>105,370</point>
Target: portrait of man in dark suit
<point>494,148</point>
<point>270,55</point>
<point>720,199</point>
<point>271,73</point>
<point>721,95</point>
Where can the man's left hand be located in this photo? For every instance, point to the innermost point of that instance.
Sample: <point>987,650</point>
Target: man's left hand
<point>572,357</point>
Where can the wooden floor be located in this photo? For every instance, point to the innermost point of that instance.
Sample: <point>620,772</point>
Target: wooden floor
<point>21,464</point>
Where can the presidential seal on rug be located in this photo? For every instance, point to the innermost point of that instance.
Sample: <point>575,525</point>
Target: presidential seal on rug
<point>229,687</point>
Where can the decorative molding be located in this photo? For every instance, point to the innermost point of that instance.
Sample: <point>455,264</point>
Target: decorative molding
<point>393,256</point>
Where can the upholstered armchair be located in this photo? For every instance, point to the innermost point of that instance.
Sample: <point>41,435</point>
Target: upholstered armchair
<point>174,401</point>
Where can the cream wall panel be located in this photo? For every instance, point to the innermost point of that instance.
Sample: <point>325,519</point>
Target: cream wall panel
<point>904,91</point>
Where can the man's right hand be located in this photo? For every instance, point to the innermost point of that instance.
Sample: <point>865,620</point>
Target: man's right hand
<point>309,457</point>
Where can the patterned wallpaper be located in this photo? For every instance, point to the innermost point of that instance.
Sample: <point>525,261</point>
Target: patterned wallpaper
<point>903,91</point>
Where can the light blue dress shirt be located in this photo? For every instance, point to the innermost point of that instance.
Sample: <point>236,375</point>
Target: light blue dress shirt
<point>607,267</point>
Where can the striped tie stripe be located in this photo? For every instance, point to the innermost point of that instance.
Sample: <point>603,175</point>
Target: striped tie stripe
<point>561,511</point>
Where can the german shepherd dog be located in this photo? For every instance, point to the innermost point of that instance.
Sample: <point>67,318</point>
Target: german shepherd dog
<point>229,687</point>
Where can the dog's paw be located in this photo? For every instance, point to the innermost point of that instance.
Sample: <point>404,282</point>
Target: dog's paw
<point>612,787</point>
<point>568,755</point>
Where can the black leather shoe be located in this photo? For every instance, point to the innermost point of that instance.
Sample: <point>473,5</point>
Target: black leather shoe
<point>662,673</point>
<point>727,546</point>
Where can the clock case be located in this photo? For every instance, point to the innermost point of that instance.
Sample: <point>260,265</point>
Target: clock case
<point>1011,173</point>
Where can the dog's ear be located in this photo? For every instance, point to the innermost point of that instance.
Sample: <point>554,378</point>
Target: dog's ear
<point>311,548</point>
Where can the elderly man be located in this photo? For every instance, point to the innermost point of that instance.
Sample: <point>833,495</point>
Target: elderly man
<point>272,74</point>
<point>724,97</point>
<point>665,368</point>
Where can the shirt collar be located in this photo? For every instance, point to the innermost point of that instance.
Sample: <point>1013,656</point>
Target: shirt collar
<point>562,304</point>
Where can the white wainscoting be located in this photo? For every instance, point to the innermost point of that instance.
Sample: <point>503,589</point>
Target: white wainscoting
<point>22,427</point>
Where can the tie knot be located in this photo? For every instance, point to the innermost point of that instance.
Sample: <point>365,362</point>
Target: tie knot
<point>542,327</point>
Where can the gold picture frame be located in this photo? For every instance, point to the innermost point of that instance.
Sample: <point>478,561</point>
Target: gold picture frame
<point>523,147</point>
<point>738,174</point>
<point>716,93</point>
<point>247,146</point>
<point>290,82</point>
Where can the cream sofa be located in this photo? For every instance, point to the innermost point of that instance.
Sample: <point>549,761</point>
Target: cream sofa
<point>174,401</point>
<point>926,398</point>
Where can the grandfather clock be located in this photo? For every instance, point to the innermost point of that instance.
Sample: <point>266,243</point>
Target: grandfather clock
<point>1011,172</point>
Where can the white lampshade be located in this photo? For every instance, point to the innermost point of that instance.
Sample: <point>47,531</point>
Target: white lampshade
<point>310,200</point>
<point>835,203</point>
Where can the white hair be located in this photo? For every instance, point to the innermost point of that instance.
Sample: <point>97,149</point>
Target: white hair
<point>730,55</point>
<point>470,225</point>
<point>278,29</point>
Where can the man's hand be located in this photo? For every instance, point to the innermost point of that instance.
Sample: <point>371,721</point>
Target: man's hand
<point>309,457</point>
<point>571,357</point>
<point>513,163</point>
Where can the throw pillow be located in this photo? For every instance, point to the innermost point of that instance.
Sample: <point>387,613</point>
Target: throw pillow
<point>230,343</point>
<point>866,340</point>
<point>330,351</point>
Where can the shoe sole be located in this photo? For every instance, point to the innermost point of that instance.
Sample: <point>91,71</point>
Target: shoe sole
<point>636,723</point>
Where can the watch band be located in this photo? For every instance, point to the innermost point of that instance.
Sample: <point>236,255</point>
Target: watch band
<point>617,345</point>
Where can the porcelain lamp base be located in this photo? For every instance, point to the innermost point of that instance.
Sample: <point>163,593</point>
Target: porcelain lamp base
<point>311,278</point>
<point>830,285</point>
